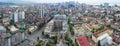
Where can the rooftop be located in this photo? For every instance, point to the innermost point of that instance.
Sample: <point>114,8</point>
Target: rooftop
<point>116,24</point>
<point>83,41</point>
<point>101,32</point>
<point>91,25</point>
<point>2,28</point>
<point>13,28</point>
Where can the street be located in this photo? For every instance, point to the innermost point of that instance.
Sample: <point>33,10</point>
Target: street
<point>32,39</point>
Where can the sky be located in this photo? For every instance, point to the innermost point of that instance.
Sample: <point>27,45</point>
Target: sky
<point>80,1</point>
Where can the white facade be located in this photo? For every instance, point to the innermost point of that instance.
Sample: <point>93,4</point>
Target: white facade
<point>41,13</point>
<point>15,17</point>
<point>23,15</point>
<point>9,42</point>
<point>105,39</point>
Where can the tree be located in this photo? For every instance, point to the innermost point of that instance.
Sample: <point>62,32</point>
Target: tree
<point>48,44</point>
<point>55,39</point>
<point>11,22</point>
<point>93,30</point>
<point>0,17</point>
<point>47,35</point>
<point>69,40</point>
<point>72,44</point>
<point>38,44</point>
<point>37,38</point>
<point>76,43</point>
<point>69,20</point>
<point>42,32</point>
<point>102,27</point>
<point>71,29</point>
<point>99,43</point>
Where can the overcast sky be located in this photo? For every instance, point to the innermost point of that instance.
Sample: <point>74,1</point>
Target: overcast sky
<point>80,1</point>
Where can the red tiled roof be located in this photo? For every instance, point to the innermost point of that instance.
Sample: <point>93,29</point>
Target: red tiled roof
<point>2,35</point>
<point>83,41</point>
<point>117,39</point>
<point>116,24</point>
<point>96,33</point>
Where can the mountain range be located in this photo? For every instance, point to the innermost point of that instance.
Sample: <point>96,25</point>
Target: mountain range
<point>4,3</point>
<point>12,2</point>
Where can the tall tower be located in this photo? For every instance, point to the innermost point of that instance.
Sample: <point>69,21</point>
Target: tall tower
<point>41,12</point>
<point>106,5</point>
<point>15,18</point>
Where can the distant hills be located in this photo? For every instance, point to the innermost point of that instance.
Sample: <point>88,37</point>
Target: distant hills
<point>3,3</point>
<point>13,2</point>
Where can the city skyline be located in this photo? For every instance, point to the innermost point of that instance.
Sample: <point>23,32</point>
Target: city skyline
<point>93,2</point>
<point>59,23</point>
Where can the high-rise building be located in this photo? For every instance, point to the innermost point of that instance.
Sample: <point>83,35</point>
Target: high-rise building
<point>106,5</point>
<point>58,25</point>
<point>59,20</point>
<point>18,15</point>
<point>41,12</point>
<point>21,15</point>
<point>15,17</point>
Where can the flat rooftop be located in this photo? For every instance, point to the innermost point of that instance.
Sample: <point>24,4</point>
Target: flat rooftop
<point>83,41</point>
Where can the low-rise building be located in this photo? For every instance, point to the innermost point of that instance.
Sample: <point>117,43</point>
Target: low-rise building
<point>49,27</point>
<point>116,26</point>
<point>2,36</point>
<point>32,29</point>
<point>117,17</point>
<point>92,25</point>
<point>116,37</point>
<point>14,37</point>
<point>5,20</point>
<point>79,30</point>
<point>97,35</point>
<point>105,40</point>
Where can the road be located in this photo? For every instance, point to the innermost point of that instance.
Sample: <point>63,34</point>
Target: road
<point>86,30</point>
<point>32,39</point>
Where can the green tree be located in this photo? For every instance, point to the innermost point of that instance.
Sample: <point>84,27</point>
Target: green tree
<point>99,43</point>
<point>72,44</point>
<point>76,44</point>
<point>11,22</point>
<point>47,35</point>
<point>55,39</point>
<point>102,27</point>
<point>42,32</point>
<point>0,17</point>
<point>69,20</point>
<point>37,38</point>
<point>69,40</point>
<point>48,44</point>
<point>38,44</point>
<point>93,30</point>
<point>71,29</point>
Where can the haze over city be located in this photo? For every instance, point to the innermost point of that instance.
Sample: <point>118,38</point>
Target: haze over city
<point>93,2</point>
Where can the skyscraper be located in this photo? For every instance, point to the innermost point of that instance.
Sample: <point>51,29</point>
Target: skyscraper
<point>41,12</point>
<point>15,17</point>
<point>21,15</point>
<point>18,15</point>
<point>106,5</point>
